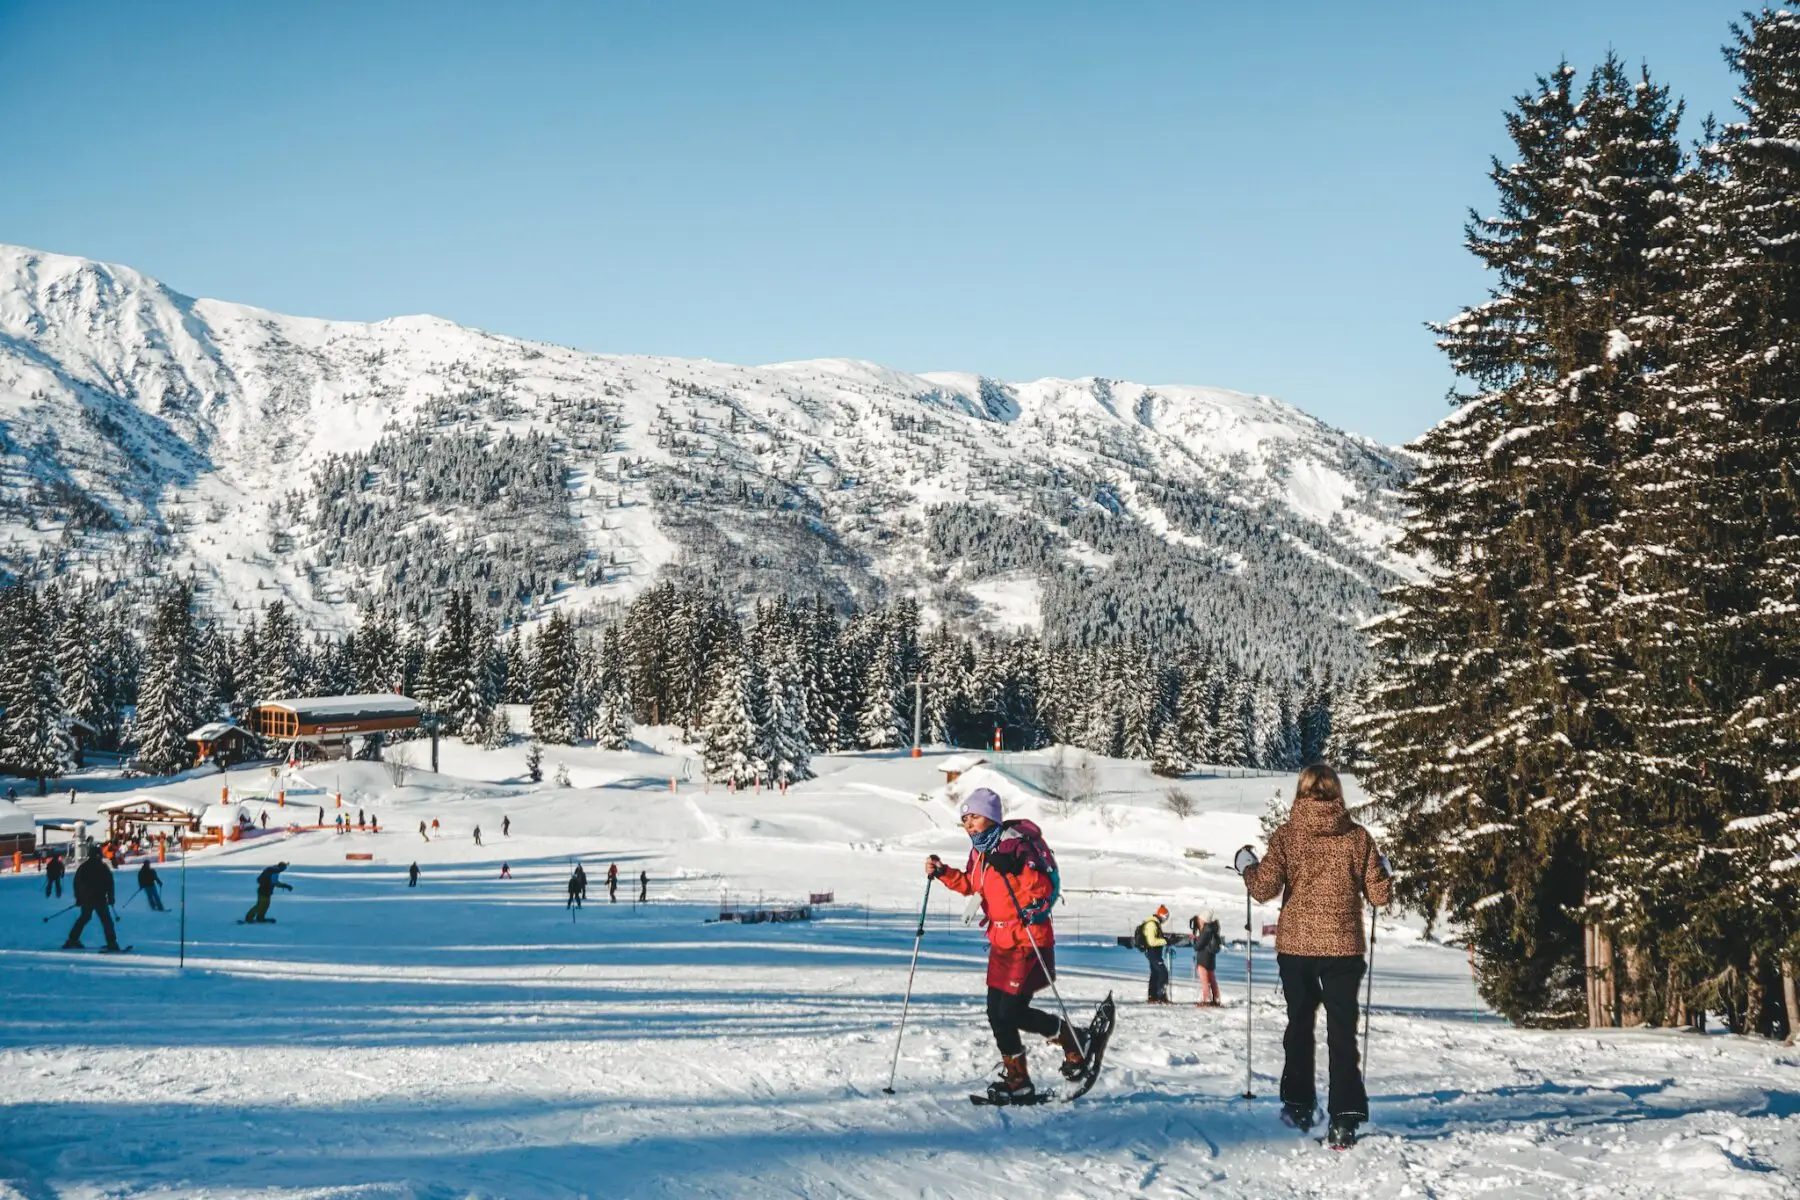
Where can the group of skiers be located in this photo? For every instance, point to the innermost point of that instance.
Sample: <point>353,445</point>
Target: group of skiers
<point>1322,864</point>
<point>1203,935</point>
<point>578,886</point>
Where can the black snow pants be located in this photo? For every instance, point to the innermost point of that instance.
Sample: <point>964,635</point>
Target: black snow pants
<point>106,924</point>
<point>1308,981</point>
<point>1008,1014</point>
<point>1159,973</point>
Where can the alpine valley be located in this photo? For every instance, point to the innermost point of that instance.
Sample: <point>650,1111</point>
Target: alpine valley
<point>337,465</point>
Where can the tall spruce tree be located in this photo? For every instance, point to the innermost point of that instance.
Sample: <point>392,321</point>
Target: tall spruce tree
<point>171,687</point>
<point>553,682</point>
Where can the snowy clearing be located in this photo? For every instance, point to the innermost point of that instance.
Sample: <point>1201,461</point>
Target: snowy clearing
<point>472,1037</point>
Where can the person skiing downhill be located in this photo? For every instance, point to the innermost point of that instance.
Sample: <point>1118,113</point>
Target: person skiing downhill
<point>643,887</point>
<point>53,875</point>
<point>412,876</point>
<point>505,825</point>
<point>422,832</point>
<point>1155,944</point>
<point>1016,893</point>
<point>1323,865</point>
<point>478,835</point>
<point>94,893</point>
<point>266,883</point>
<point>150,884</point>
<point>577,887</point>
<point>1208,941</point>
<point>612,884</point>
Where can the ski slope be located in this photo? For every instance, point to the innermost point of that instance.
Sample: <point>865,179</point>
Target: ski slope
<point>473,1037</point>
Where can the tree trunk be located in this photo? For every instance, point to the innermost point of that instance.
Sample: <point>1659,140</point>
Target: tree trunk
<point>1601,995</point>
<point>1790,994</point>
<point>1753,996</point>
<point>1631,993</point>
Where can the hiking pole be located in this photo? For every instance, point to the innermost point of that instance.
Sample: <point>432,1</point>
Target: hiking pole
<point>1249,1000</point>
<point>59,912</point>
<point>907,1001</point>
<point>1080,1036</point>
<point>130,898</point>
<point>1368,994</point>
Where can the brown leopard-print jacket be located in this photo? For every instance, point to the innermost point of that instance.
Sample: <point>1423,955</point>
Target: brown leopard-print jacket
<point>1322,864</point>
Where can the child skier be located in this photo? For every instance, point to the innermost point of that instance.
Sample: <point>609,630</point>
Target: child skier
<point>1323,865</point>
<point>1006,870</point>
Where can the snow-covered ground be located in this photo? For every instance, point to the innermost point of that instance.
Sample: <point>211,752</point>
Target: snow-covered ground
<point>472,1037</point>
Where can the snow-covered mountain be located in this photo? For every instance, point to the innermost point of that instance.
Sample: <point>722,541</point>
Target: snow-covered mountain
<point>336,463</point>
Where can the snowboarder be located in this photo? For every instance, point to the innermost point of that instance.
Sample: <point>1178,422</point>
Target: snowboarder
<point>266,883</point>
<point>612,884</point>
<point>53,875</point>
<point>505,825</point>
<point>1323,865</point>
<point>412,875</point>
<point>1007,870</point>
<point>643,887</point>
<point>94,893</point>
<point>506,870</point>
<point>1208,941</point>
<point>151,885</point>
<point>1155,945</point>
<point>577,887</point>
<point>478,835</point>
<point>422,832</point>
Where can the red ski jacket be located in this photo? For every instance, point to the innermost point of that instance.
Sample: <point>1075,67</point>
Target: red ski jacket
<point>1012,861</point>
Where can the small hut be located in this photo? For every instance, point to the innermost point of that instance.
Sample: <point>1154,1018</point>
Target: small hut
<point>18,830</point>
<point>957,764</point>
<point>177,813</point>
<point>223,743</point>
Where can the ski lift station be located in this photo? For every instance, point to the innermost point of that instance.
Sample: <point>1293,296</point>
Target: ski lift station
<point>328,723</point>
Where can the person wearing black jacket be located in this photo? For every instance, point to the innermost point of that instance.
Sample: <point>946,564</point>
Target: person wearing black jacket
<point>53,875</point>
<point>1208,941</point>
<point>266,883</point>
<point>151,885</point>
<point>94,893</point>
<point>577,887</point>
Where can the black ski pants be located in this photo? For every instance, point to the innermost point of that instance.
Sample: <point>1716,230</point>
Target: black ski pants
<point>1008,1014</point>
<point>53,883</point>
<point>106,924</point>
<point>1307,981</point>
<point>1159,973</point>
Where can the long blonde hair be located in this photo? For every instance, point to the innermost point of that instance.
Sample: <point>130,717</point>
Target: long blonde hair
<point>1319,782</point>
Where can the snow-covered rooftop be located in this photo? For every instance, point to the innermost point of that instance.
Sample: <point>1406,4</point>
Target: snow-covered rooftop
<point>346,708</point>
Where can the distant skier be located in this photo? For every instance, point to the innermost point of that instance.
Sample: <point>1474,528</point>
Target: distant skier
<point>505,825</point>
<point>266,883</point>
<point>374,823</point>
<point>53,875</point>
<point>577,887</point>
<point>321,816</point>
<point>422,832</point>
<point>412,875</point>
<point>1008,869</point>
<point>1323,865</point>
<point>643,887</point>
<point>359,818</point>
<point>506,870</point>
<point>151,885</point>
<point>478,835</point>
<point>71,795</point>
<point>1155,945</point>
<point>1208,941</point>
<point>94,893</point>
<point>612,884</point>
<point>265,818</point>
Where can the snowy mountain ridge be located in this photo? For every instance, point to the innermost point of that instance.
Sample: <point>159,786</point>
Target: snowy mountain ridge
<point>338,463</point>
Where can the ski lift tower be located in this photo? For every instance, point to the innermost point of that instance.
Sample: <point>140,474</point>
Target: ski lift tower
<point>918,686</point>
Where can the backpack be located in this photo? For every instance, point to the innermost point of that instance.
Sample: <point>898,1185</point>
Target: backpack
<point>1039,856</point>
<point>1137,937</point>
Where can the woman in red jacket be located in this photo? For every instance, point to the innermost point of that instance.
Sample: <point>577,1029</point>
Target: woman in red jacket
<point>1007,871</point>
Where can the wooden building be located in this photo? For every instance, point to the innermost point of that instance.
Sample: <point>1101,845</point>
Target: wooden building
<point>18,830</point>
<point>171,814</point>
<point>223,743</point>
<point>328,723</point>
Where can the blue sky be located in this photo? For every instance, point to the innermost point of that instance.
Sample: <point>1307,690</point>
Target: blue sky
<point>1264,197</point>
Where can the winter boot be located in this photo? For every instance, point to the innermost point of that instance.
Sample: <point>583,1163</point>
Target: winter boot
<point>1074,1063</point>
<point>1014,1084</point>
<point>72,944</point>
<point>1296,1117</point>
<point>1342,1134</point>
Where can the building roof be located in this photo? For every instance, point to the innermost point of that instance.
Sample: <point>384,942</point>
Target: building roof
<point>174,804</point>
<point>15,820</point>
<point>212,731</point>
<point>961,762</point>
<point>314,709</point>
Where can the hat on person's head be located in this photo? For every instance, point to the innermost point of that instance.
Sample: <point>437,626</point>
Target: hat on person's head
<point>983,802</point>
<point>1162,910</point>
<point>1207,917</point>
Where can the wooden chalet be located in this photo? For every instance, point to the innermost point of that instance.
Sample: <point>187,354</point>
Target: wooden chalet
<point>957,764</point>
<point>177,814</point>
<point>223,743</point>
<point>330,722</point>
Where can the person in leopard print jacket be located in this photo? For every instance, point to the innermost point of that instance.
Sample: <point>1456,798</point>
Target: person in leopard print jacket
<point>1324,866</point>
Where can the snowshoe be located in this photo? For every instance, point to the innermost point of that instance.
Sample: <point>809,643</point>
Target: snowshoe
<point>1099,1033</point>
<point>1342,1134</point>
<point>1295,1116</point>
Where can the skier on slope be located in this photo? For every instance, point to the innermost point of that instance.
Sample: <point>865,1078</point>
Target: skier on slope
<point>612,884</point>
<point>1006,871</point>
<point>1208,941</point>
<point>412,876</point>
<point>422,832</point>
<point>643,887</point>
<point>577,887</point>
<point>94,893</point>
<point>505,825</point>
<point>478,835</point>
<point>150,884</point>
<point>1323,865</point>
<point>266,883</point>
<point>1155,945</point>
<point>53,875</point>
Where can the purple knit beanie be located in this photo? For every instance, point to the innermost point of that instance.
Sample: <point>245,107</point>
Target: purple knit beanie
<point>983,802</point>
